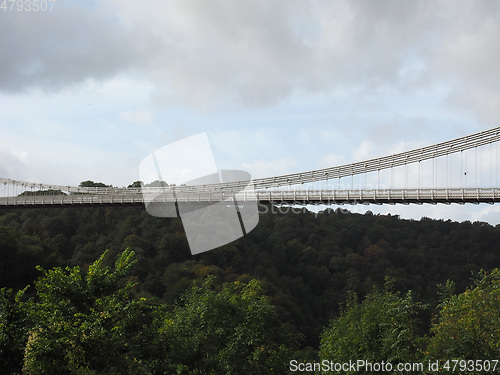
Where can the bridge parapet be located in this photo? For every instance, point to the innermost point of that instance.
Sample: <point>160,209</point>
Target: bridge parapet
<point>304,197</point>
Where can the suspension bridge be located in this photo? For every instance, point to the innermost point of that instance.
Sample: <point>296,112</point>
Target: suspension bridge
<point>461,170</point>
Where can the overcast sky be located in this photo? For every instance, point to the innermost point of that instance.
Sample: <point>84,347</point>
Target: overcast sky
<point>88,89</point>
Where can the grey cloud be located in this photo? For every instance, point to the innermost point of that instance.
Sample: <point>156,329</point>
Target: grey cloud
<point>240,50</point>
<point>469,59</point>
<point>261,52</point>
<point>257,53</point>
<point>11,161</point>
<point>52,50</point>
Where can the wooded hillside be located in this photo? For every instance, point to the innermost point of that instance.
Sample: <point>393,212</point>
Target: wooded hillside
<point>307,264</point>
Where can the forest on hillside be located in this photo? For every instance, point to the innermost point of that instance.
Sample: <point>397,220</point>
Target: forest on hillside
<point>115,290</point>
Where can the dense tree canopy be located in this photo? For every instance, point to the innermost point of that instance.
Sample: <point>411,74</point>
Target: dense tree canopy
<point>88,323</point>
<point>381,328</point>
<point>84,322</point>
<point>15,322</point>
<point>230,331</point>
<point>468,326</point>
<point>90,183</point>
<point>308,265</point>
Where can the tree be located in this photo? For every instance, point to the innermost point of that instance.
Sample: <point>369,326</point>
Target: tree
<point>90,183</point>
<point>136,184</point>
<point>232,330</point>
<point>381,328</point>
<point>469,323</point>
<point>14,326</point>
<point>9,248</point>
<point>87,323</point>
<point>42,192</point>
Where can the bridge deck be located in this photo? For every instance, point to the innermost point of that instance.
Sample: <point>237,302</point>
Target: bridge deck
<point>403,196</point>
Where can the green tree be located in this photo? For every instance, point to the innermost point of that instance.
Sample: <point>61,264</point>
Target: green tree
<point>136,184</point>
<point>85,323</point>
<point>233,330</point>
<point>14,327</point>
<point>42,192</point>
<point>90,183</point>
<point>381,328</point>
<point>468,326</point>
<point>9,248</point>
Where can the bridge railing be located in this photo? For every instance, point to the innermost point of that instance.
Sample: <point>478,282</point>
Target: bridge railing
<point>431,195</point>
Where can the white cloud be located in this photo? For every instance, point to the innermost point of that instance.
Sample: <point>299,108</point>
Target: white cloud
<point>139,117</point>
<point>331,160</point>
<point>11,161</point>
<point>264,168</point>
<point>454,212</point>
<point>366,150</point>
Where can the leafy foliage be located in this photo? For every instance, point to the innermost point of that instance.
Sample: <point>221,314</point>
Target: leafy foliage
<point>307,264</point>
<point>90,323</point>
<point>83,322</point>
<point>229,331</point>
<point>469,323</point>
<point>90,183</point>
<point>381,328</point>
<point>42,192</point>
<point>14,326</point>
